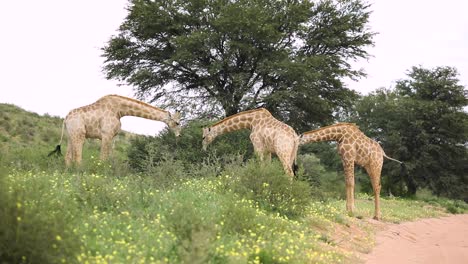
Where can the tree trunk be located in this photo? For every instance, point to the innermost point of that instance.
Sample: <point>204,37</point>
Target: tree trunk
<point>411,184</point>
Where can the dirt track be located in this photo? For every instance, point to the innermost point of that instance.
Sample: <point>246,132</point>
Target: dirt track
<point>435,240</point>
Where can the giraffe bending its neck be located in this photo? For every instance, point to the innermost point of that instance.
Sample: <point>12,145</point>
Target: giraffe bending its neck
<point>102,120</point>
<point>353,147</point>
<point>269,135</point>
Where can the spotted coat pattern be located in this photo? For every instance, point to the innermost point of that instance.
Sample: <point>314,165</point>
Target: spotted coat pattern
<point>268,135</point>
<point>354,148</point>
<point>101,120</point>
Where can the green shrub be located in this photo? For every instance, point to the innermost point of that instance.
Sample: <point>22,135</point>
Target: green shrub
<point>238,217</point>
<point>452,206</point>
<point>30,235</point>
<point>324,184</point>
<point>326,152</point>
<point>268,185</point>
<point>148,150</point>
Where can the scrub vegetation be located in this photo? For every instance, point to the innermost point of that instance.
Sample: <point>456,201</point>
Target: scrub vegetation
<point>229,209</point>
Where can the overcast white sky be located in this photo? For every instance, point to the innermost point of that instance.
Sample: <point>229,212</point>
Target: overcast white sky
<point>50,57</point>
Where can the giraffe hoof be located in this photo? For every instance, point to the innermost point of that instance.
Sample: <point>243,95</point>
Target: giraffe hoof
<point>377,218</point>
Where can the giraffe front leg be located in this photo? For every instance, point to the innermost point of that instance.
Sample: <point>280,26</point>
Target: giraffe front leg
<point>287,165</point>
<point>260,151</point>
<point>105,147</point>
<point>349,180</point>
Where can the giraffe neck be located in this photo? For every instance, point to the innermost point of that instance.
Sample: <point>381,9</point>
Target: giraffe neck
<point>130,107</point>
<point>329,133</point>
<point>243,120</point>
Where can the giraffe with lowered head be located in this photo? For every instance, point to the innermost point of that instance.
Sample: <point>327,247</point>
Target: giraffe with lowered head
<point>353,147</point>
<point>268,135</point>
<point>102,120</point>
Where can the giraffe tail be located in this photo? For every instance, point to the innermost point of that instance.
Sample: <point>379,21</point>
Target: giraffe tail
<point>385,155</point>
<point>295,167</point>
<point>58,150</point>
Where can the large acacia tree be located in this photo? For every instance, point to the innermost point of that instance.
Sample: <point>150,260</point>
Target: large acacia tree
<point>226,56</point>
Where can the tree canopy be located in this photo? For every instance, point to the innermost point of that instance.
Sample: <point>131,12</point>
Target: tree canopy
<point>422,122</point>
<point>224,56</point>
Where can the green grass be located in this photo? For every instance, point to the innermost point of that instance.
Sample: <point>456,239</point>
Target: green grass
<point>102,218</point>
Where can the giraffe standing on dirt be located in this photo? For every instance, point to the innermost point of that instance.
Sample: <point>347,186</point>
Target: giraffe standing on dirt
<point>353,147</point>
<point>269,135</point>
<point>102,120</point>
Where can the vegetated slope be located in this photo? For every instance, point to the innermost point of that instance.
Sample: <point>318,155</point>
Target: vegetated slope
<point>20,128</point>
<point>28,136</point>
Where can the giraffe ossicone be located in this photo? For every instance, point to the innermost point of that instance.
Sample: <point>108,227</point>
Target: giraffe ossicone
<point>354,148</point>
<point>101,120</point>
<point>269,135</point>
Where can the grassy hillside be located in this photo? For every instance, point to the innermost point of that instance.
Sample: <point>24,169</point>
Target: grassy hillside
<point>26,138</point>
<point>244,213</point>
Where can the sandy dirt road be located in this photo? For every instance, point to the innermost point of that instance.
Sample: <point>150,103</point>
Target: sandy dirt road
<point>429,241</point>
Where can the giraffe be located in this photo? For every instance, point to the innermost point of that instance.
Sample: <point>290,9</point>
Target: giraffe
<point>268,135</point>
<point>353,147</point>
<point>102,120</point>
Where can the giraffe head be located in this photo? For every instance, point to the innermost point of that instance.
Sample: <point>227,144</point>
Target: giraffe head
<point>208,137</point>
<point>173,121</point>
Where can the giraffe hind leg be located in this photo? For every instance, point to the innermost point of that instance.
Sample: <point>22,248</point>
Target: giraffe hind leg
<point>69,155</point>
<point>374,174</point>
<point>78,150</point>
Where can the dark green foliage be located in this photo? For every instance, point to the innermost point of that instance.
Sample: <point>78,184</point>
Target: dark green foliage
<point>326,152</point>
<point>422,123</point>
<point>146,152</point>
<point>223,57</point>
<point>329,184</point>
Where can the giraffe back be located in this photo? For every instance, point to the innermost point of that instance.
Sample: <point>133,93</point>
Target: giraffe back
<point>89,120</point>
<point>356,145</point>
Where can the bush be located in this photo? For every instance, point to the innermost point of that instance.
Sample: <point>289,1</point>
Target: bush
<point>324,184</point>
<point>452,206</point>
<point>326,152</point>
<point>145,151</point>
<point>266,184</point>
<point>29,235</point>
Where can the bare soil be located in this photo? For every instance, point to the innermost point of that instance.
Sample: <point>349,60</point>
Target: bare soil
<point>428,241</point>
